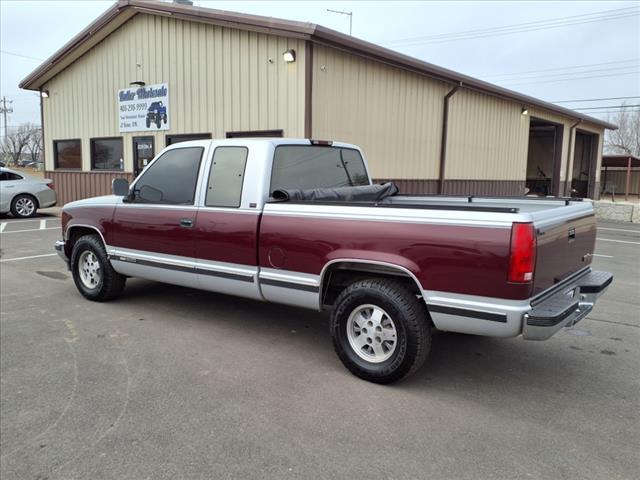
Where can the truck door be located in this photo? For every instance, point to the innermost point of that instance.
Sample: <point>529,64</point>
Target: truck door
<point>153,234</point>
<point>227,226</point>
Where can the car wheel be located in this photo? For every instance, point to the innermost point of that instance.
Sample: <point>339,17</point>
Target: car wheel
<point>24,206</point>
<point>381,331</point>
<point>148,122</point>
<point>93,274</point>
<point>164,119</point>
<point>158,122</point>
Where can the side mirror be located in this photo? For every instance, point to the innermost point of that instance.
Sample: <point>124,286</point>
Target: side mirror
<point>120,187</point>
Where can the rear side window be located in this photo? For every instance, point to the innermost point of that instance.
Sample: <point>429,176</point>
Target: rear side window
<point>171,179</point>
<point>310,166</point>
<point>6,176</point>
<point>224,188</point>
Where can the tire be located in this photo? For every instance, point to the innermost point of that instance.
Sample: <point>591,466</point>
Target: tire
<point>100,282</point>
<point>24,206</point>
<point>158,121</point>
<point>403,315</point>
<point>148,122</point>
<point>164,119</point>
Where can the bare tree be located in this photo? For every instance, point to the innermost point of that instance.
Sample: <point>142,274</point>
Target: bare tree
<point>34,146</point>
<point>626,139</point>
<point>16,141</point>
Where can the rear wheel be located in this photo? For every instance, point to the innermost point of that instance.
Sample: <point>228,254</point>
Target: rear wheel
<point>24,206</point>
<point>381,330</point>
<point>93,274</point>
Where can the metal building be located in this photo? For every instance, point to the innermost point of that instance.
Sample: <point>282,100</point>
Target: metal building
<point>146,74</point>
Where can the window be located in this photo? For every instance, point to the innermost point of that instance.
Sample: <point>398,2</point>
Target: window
<point>7,176</point>
<point>255,134</point>
<point>225,179</point>
<point>67,154</point>
<point>309,166</point>
<point>171,179</point>
<point>171,139</point>
<point>106,154</point>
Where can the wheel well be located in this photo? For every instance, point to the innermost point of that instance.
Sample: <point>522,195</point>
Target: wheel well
<point>74,234</point>
<point>339,275</point>
<point>25,194</point>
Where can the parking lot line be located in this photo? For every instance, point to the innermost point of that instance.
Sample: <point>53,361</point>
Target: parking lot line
<point>31,230</point>
<point>3,225</point>
<point>603,256</point>
<point>619,230</point>
<point>617,241</point>
<point>27,258</point>
<point>43,224</point>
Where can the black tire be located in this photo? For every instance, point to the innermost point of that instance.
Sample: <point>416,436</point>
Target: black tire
<point>409,316</point>
<point>164,119</point>
<point>110,283</point>
<point>17,208</point>
<point>148,122</point>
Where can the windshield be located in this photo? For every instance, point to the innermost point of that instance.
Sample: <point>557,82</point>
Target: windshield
<point>310,166</point>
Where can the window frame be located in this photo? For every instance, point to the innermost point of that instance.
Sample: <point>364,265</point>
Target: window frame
<point>92,156</point>
<point>55,155</point>
<point>207,176</point>
<point>196,191</point>
<point>364,163</point>
<point>202,136</point>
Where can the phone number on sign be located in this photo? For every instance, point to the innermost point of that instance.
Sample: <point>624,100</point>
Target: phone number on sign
<point>132,107</point>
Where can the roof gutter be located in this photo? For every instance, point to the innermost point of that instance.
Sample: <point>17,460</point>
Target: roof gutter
<point>572,143</point>
<point>443,142</point>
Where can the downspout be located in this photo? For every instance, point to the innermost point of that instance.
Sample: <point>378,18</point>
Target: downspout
<point>443,142</point>
<point>569,151</point>
<point>44,160</point>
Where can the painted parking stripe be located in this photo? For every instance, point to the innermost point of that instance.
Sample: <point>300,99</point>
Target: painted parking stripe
<point>619,230</point>
<point>31,230</point>
<point>27,258</point>
<point>617,241</point>
<point>43,224</point>
<point>3,225</point>
<point>603,256</point>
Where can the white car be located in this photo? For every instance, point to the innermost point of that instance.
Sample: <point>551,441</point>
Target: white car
<point>23,195</point>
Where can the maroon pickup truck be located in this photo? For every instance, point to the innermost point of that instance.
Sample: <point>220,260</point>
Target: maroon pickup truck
<point>299,222</point>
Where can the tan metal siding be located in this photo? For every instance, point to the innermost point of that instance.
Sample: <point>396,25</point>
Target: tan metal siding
<point>487,139</point>
<point>393,114</point>
<point>220,79</point>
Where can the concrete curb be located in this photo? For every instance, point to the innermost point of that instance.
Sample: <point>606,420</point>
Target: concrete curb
<point>620,212</point>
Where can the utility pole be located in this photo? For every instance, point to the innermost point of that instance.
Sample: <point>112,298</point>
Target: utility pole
<point>344,12</point>
<point>4,110</point>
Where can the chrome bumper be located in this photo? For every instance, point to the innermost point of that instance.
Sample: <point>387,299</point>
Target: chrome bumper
<point>565,307</point>
<point>59,247</point>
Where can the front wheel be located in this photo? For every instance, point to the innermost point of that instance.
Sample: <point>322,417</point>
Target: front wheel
<point>24,206</point>
<point>380,330</point>
<point>93,274</point>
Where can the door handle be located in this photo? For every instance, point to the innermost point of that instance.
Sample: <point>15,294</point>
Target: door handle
<point>186,222</point>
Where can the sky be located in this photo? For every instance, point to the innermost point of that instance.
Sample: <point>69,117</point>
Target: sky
<point>552,50</point>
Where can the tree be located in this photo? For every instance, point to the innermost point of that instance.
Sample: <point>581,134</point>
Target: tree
<point>16,141</point>
<point>34,146</point>
<point>626,139</point>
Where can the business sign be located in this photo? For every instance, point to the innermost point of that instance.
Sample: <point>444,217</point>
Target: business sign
<point>144,109</point>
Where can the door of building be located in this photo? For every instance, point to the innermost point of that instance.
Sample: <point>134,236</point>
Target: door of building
<point>143,153</point>
<point>583,164</point>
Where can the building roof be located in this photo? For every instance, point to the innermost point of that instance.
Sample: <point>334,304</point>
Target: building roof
<point>620,161</point>
<point>123,10</point>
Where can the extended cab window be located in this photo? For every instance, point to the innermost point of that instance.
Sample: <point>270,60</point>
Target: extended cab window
<point>310,166</point>
<point>171,179</point>
<point>225,180</point>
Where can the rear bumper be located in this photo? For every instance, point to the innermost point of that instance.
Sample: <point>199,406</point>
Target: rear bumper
<point>565,307</point>
<point>59,248</point>
<point>536,318</point>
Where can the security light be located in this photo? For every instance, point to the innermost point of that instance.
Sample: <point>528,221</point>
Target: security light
<point>289,56</point>
<point>525,111</point>
<point>138,83</point>
<point>44,93</point>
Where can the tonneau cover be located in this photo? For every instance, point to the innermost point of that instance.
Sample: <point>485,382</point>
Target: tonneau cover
<point>363,193</point>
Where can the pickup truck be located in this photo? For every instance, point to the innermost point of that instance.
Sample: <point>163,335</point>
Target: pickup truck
<point>299,222</point>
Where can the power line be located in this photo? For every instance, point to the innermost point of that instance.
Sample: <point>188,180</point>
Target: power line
<point>518,28</point>
<point>595,99</point>
<point>559,68</point>
<point>552,75</point>
<point>22,56</point>
<point>576,78</point>
<point>605,107</point>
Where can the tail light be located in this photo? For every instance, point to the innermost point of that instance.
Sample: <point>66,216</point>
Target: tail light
<point>51,186</point>
<point>522,256</point>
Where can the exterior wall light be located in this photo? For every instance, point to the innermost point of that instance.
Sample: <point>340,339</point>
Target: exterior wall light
<point>44,93</point>
<point>525,111</point>
<point>138,83</point>
<point>289,56</point>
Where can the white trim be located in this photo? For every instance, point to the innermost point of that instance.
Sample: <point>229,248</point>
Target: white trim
<point>307,279</point>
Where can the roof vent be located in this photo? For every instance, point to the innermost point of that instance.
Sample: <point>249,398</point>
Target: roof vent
<point>183,2</point>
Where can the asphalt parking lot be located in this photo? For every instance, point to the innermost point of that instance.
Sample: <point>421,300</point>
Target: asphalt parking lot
<point>172,383</point>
